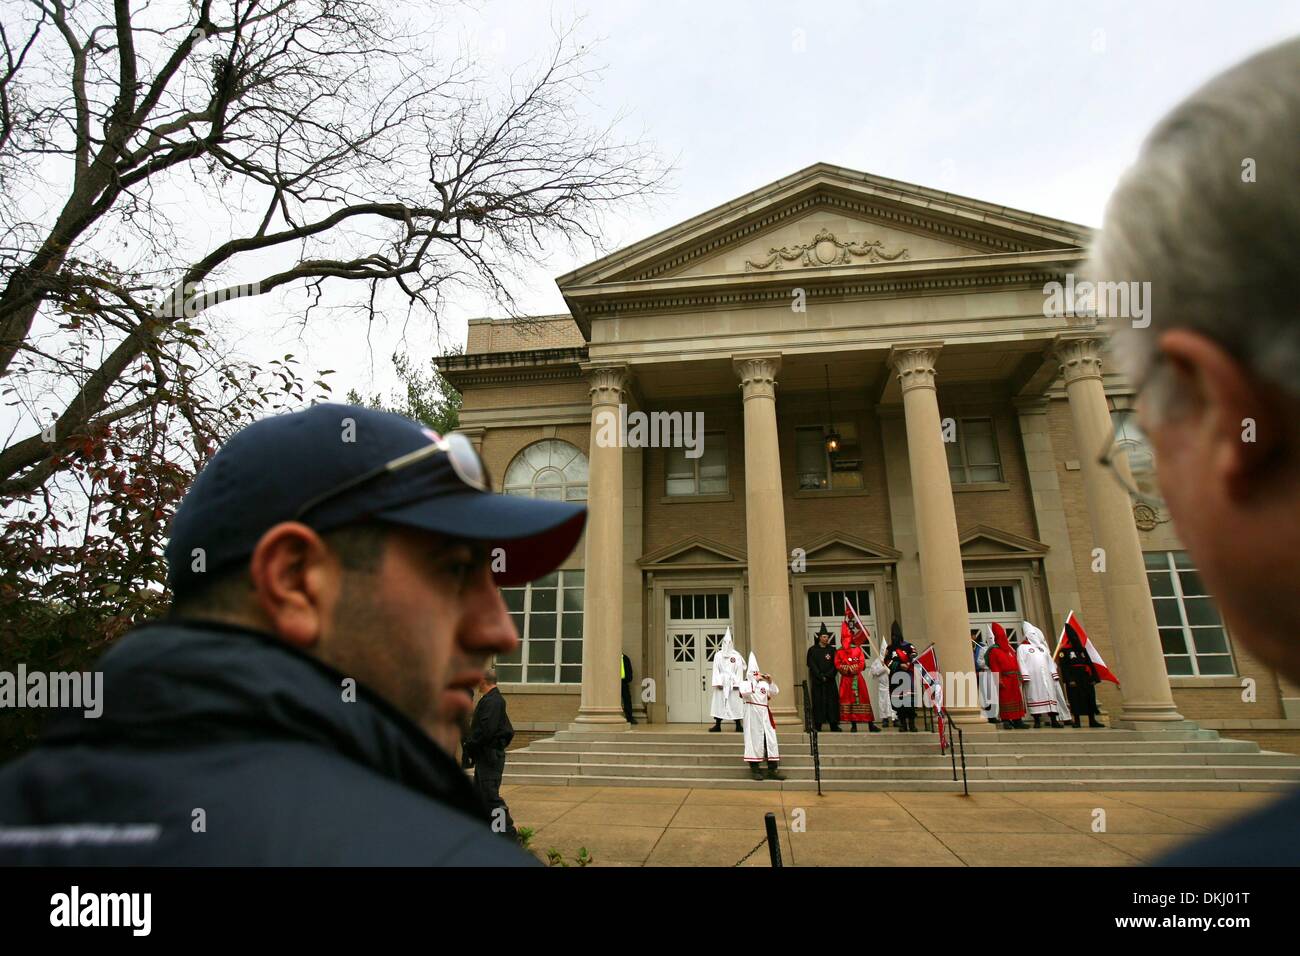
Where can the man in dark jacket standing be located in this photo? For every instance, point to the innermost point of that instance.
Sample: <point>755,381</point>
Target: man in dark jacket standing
<point>336,575</point>
<point>485,747</point>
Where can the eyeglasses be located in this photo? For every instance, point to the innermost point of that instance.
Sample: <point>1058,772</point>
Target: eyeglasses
<point>1133,466</point>
<point>465,462</point>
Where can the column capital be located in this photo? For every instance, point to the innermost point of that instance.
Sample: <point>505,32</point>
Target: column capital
<point>914,362</point>
<point>757,373</point>
<point>607,383</point>
<point>1079,355</point>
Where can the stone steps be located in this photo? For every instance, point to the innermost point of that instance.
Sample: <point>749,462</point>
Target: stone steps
<point>1181,758</point>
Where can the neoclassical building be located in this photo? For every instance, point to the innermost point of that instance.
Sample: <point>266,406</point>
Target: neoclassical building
<point>888,414</point>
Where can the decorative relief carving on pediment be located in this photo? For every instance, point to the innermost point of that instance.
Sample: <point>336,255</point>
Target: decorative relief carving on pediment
<point>826,250</point>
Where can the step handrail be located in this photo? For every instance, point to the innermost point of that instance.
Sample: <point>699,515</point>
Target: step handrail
<point>810,728</point>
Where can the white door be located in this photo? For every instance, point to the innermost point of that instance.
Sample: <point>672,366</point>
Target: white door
<point>697,623</point>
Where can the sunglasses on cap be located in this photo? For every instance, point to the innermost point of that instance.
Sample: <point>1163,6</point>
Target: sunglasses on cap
<point>464,460</point>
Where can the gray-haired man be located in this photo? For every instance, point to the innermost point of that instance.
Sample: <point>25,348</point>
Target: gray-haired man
<point>1210,216</point>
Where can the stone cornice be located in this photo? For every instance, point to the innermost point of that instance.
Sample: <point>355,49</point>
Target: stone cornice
<point>774,289</point>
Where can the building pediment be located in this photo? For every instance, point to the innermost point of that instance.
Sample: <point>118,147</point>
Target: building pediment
<point>825,216</point>
<point>840,548</point>
<point>983,542</point>
<point>693,552</point>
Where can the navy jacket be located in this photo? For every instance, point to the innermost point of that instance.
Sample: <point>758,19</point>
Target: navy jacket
<point>1267,837</point>
<point>256,736</point>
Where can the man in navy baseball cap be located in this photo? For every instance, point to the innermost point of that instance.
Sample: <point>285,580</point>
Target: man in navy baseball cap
<point>336,575</point>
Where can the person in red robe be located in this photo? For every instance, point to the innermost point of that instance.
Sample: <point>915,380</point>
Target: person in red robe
<point>851,662</point>
<point>1002,659</point>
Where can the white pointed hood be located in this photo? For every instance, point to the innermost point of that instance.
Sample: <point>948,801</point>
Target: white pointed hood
<point>727,645</point>
<point>1036,637</point>
<point>752,667</point>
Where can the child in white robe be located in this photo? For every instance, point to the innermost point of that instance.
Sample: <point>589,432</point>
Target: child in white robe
<point>757,691</point>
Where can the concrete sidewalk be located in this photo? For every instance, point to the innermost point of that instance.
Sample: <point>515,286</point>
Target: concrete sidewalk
<point>643,826</point>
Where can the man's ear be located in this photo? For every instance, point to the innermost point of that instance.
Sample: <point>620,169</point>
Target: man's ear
<point>1241,423</point>
<point>296,580</point>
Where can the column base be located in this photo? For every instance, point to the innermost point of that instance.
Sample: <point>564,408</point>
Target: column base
<point>1149,714</point>
<point>600,718</point>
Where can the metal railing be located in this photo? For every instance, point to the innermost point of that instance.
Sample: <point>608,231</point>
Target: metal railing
<point>810,728</point>
<point>951,726</point>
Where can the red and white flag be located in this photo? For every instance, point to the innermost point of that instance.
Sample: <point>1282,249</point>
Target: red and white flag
<point>1074,632</point>
<point>927,663</point>
<point>851,618</point>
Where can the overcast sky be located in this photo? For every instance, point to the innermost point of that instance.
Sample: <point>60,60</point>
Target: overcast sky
<point>1033,105</point>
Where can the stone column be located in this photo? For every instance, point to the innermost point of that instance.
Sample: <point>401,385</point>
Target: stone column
<point>769,592</point>
<point>1049,511</point>
<point>602,616</point>
<point>1139,664</point>
<point>943,584</point>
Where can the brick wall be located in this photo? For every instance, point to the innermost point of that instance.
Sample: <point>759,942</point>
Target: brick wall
<point>508,335</point>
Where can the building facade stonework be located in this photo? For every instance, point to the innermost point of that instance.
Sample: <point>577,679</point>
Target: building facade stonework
<point>906,327</point>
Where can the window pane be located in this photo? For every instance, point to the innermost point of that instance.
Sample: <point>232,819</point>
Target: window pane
<point>711,605</point>
<point>1171,641</point>
<point>547,581</point>
<point>541,673</point>
<point>1009,599</point>
<point>541,652</point>
<point>957,476</point>
<point>514,598</point>
<point>572,626</point>
<point>1161,584</point>
<point>995,600</point>
<point>575,493</point>
<point>573,579</point>
<point>1218,664</point>
<point>847,480</point>
<point>1167,613</point>
<point>543,599</point>
<point>1201,611</point>
<point>677,465</point>
<point>1156,560</point>
<point>970,601</point>
<point>675,607</point>
<point>519,624</point>
<point>680,486</point>
<point>982,597</point>
<point>699,606</point>
<point>985,473</point>
<point>724,606</point>
<point>1210,640</point>
<point>1190,582</point>
<point>953,451</point>
<point>571,674</point>
<point>555,493</point>
<point>1178,666</point>
<point>813,608</point>
<point>1183,560</point>
<point>810,458</point>
<point>980,448</point>
<point>571,652</point>
<point>509,673</point>
<point>514,657</point>
<point>541,627</point>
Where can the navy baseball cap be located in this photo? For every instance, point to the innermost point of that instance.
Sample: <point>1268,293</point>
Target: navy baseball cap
<point>270,470</point>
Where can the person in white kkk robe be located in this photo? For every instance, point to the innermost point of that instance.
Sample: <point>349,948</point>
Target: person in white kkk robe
<point>728,672</point>
<point>881,705</point>
<point>757,690</point>
<point>986,678</point>
<point>1042,683</point>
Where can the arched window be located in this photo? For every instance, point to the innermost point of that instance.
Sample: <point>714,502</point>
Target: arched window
<point>551,469</point>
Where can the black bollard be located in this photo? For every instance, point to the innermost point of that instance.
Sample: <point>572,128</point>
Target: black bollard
<point>773,840</point>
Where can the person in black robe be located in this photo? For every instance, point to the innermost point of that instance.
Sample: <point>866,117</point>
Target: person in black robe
<point>823,681</point>
<point>625,681</point>
<point>490,733</point>
<point>900,658</point>
<point>1080,678</point>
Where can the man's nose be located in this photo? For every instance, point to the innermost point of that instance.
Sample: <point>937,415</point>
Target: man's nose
<point>488,628</point>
